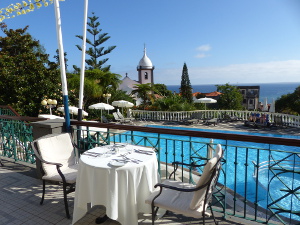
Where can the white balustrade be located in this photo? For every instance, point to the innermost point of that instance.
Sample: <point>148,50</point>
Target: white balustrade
<point>290,120</point>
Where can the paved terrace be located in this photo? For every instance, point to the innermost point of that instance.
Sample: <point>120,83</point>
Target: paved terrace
<point>20,193</point>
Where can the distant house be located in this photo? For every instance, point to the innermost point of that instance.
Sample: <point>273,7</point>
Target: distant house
<point>250,97</point>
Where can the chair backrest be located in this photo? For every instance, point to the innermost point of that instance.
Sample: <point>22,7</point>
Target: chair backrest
<point>57,148</point>
<point>120,115</point>
<point>116,116</point>
<point>208,180</point>
<point>104,119</point>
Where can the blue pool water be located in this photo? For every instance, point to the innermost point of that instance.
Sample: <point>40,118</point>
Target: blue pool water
<point>238,165</point>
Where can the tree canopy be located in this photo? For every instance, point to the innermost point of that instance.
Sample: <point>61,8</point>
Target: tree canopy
<point>289,103</point>
<point>231,97</point>
<point>26,74</point>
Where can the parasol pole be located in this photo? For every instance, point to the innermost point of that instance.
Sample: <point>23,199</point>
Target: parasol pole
<point>82,61</point>
<point>62,64</point>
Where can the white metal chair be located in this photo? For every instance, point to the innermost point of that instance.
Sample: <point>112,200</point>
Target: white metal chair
<point>59,162</point>
<point>185,198</point>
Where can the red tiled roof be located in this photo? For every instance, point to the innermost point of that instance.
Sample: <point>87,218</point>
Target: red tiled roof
<point>158,96</point>
<point>197,93</point>
<point>213,94</point>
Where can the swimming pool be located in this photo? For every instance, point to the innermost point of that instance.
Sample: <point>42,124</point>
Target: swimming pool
<point>238,169</point>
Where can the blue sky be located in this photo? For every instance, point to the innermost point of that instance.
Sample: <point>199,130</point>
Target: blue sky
<point>221,41</point>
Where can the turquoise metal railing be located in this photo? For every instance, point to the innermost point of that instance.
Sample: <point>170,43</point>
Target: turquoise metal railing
<point>16,137</point>
<point>245,195</point>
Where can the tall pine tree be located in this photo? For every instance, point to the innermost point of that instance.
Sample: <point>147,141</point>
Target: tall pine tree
<point>186,87</point>
<point>96,51</point>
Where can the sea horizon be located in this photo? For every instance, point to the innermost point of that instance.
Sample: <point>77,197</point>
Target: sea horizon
<point>272,90</point>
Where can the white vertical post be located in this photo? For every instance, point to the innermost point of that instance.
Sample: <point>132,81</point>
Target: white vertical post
<point>81,88</point>
<point>62,64</point>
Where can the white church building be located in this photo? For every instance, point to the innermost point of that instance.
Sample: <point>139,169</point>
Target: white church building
<point>145,75</point>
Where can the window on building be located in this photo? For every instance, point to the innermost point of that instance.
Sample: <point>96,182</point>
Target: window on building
<point>251,102</point>
<point>244,101</point>
<point>146,76</point>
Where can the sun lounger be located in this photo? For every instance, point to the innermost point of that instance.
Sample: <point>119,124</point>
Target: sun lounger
<point>211,121</point>
<point>121,120</point>
<point>120,115</point>
<point>191,120</point>
<point>228,118</point>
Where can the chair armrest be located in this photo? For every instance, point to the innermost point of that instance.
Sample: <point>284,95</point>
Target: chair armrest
<point>176,165</point>
<point>160,185</point>
<point>188,164</point>
<point>52,163</point>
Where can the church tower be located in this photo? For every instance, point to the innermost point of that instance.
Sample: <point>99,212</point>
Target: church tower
<point>145,70</point>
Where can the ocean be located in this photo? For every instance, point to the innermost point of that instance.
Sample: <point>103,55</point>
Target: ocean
<point>267,90</point>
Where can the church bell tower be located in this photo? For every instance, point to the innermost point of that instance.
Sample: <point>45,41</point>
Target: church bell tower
<point>145,70</point>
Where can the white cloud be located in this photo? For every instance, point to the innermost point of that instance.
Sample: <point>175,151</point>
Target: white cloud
<point>203,48</point>
<point>267,72</point>
<point>201,55</point>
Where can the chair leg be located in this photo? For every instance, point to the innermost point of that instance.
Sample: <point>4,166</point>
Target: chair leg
<point>154,212</point>
<point>43,195</point>
<point>66,200</point>
<point>213,215</point>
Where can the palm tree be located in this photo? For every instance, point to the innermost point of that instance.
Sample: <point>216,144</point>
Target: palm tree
<point>145,92</point>
<point>92,90</point>
<point>106,80</point>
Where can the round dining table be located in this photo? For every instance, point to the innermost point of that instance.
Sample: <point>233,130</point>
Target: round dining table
<point>119,178</point>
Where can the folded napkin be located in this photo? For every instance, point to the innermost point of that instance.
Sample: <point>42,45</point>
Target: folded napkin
<point>93,154</point>
<point>127,159</point>
<point>144,151</point>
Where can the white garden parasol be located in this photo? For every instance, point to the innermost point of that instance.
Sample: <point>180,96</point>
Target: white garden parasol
<point>101,106</point>
<point>122,104</point>
<point>72,110</point>
<point>272,107</point>
<point>265,105</point>
<point>205,101</point>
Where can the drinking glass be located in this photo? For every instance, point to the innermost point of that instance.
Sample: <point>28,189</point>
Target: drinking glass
<point>109,151</point>
<point>128,146</point>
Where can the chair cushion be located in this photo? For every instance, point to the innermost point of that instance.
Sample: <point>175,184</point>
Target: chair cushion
<point>70,174</point>
<point>199,196</point>
<point>58,149</point>
<point>176,201</point>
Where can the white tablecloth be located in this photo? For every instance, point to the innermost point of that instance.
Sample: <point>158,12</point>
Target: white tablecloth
<point>122,190</point>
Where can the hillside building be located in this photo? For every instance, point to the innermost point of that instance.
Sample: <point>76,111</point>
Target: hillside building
<point>250,97</point>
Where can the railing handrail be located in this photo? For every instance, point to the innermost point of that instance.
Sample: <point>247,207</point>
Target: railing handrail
<point>10,108</point>
<point>206,134</point>
<point>22,118</point>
